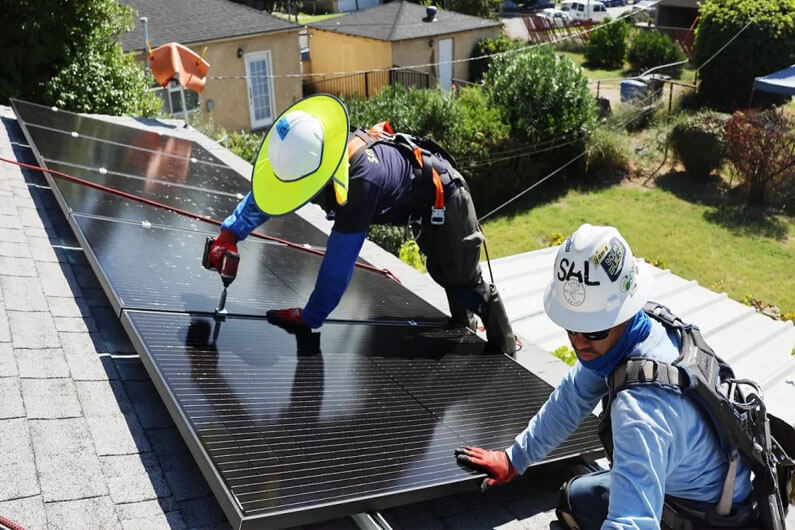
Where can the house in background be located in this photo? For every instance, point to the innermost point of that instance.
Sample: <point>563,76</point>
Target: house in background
<point>244,45</point>
<point>395,34</point>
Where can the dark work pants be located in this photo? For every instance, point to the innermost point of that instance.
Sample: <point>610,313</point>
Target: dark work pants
<point>589,498</point>
<point>453,252</point>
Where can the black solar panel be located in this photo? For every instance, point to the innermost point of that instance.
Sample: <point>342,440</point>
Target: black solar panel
<point>287,429</point>
<point>292,423</point>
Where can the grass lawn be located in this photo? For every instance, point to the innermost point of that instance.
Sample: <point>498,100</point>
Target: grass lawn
<point>696,241</point>
<point>596,74</point>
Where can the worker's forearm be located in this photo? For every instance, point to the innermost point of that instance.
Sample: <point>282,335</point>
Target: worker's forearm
<point>246,217</point>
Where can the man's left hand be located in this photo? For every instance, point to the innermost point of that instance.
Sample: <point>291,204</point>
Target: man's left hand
<point>495,464</point>
<point>289,319</point>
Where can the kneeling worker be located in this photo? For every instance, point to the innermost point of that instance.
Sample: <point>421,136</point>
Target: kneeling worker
<point>372,177</point>
<point>662,442</point>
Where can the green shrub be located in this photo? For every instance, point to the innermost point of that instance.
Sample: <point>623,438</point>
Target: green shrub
<point>767,45</point>
<point>652,48</point>
<point>244,144</point>
<point>390,238</point>
<point>565,354</point>
<point>761,147</point>
<point>697,141</point>
<point>489,47</point>
<point>607,46</point>
<point>466,125</point>
<point>541,96</point>
<point>607,150</point>
<point>410,253</point>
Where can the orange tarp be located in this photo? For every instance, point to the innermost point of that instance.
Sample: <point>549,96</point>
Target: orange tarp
<point>175,61</point>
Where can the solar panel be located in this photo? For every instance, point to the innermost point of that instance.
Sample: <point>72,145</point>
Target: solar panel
<point>295,431</point>
<point>287,429</point>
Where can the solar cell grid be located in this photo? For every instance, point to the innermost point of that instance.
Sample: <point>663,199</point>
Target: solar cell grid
<point>287,429</point>
<point>270,276</point>
<point>87,126</point>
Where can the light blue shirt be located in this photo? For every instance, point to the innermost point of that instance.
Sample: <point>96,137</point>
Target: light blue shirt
<point>662,443</point>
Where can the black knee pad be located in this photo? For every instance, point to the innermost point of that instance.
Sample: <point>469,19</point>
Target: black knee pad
<point>563,511</point>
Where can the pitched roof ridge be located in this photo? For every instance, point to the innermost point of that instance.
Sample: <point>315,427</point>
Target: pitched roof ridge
<point>395,21</point>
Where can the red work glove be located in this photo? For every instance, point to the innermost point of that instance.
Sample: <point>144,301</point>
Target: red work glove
<point>226,240</point>
<point>494,463</point>
<point>289,319</point>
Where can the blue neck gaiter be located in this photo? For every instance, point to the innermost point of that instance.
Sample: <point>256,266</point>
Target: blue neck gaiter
<point>637,329</point>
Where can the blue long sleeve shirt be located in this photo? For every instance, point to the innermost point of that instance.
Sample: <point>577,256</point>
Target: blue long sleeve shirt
<point>662,443</point>
<point>380,179</point>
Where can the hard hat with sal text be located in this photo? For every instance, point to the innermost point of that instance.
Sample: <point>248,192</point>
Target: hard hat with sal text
<point>597,283</point>
<point>305,148</point>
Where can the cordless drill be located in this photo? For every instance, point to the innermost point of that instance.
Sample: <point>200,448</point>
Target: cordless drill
<point>229,263</point>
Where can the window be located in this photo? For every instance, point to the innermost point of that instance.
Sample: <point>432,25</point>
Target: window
<point>260,88</point>
<point>172,99</point>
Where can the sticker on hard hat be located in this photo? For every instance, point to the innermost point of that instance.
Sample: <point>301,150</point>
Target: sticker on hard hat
<point>568,244</point>
<point>599,255</point>
<point>574,292</point>
<point>282,127</point>
<point>627,281</point>
<point>613,262</point>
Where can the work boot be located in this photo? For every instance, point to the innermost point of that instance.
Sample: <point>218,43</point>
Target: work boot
<point>499,333</point>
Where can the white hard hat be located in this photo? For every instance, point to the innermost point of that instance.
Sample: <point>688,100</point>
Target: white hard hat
<point>296,149</point>
<point>597,283</point>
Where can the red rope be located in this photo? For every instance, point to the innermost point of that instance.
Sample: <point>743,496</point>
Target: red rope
<point>11,525</point>
<point>186,213</point>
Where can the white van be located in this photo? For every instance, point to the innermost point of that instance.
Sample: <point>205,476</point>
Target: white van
<point>587,10</point>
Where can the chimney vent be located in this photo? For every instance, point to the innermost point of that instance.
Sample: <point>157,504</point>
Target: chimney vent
<point>430,14</point>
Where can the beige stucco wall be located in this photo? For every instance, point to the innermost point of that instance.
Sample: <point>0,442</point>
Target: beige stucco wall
<point>426,50</point>
<point>230,96</point>
<point>334,52</point>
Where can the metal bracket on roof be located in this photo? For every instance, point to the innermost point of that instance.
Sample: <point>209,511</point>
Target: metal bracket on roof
<point>370,521</point>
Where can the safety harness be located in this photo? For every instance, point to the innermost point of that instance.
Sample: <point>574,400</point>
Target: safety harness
<point>429,175</point>
<point>740,421</point>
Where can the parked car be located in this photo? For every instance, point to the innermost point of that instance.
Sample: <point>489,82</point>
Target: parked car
<point>556,16</point>
<point>580,10</point>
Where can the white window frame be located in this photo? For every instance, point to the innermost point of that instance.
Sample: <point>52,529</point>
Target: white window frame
<point>254,56</point>
<point>164,93</point>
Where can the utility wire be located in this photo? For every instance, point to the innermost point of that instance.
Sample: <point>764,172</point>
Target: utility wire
<point>564,166</point>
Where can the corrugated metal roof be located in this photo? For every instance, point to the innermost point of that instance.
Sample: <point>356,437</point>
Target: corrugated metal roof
<point>757,347</point>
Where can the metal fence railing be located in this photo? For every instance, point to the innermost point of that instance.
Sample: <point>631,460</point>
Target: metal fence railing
<point>366,84</point>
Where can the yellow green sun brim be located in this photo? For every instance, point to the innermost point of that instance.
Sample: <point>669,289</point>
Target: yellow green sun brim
<point>277,197</point>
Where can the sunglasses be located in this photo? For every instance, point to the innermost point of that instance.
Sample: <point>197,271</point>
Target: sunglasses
<point>591,335</point>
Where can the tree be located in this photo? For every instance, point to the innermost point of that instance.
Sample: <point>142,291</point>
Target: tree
<point>543,97</point>
<point>67,54</point>
<point>761,146</point>
<point>765,46</point>
<point>607,46</point>
<point>651,48</point>
<point>477,8</point>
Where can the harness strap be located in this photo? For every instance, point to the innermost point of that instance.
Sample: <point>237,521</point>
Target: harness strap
<point>724,506</point>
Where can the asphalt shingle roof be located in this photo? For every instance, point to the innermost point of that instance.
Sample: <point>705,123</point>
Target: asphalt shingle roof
<point>401,20</point>
<point>189,21</point>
